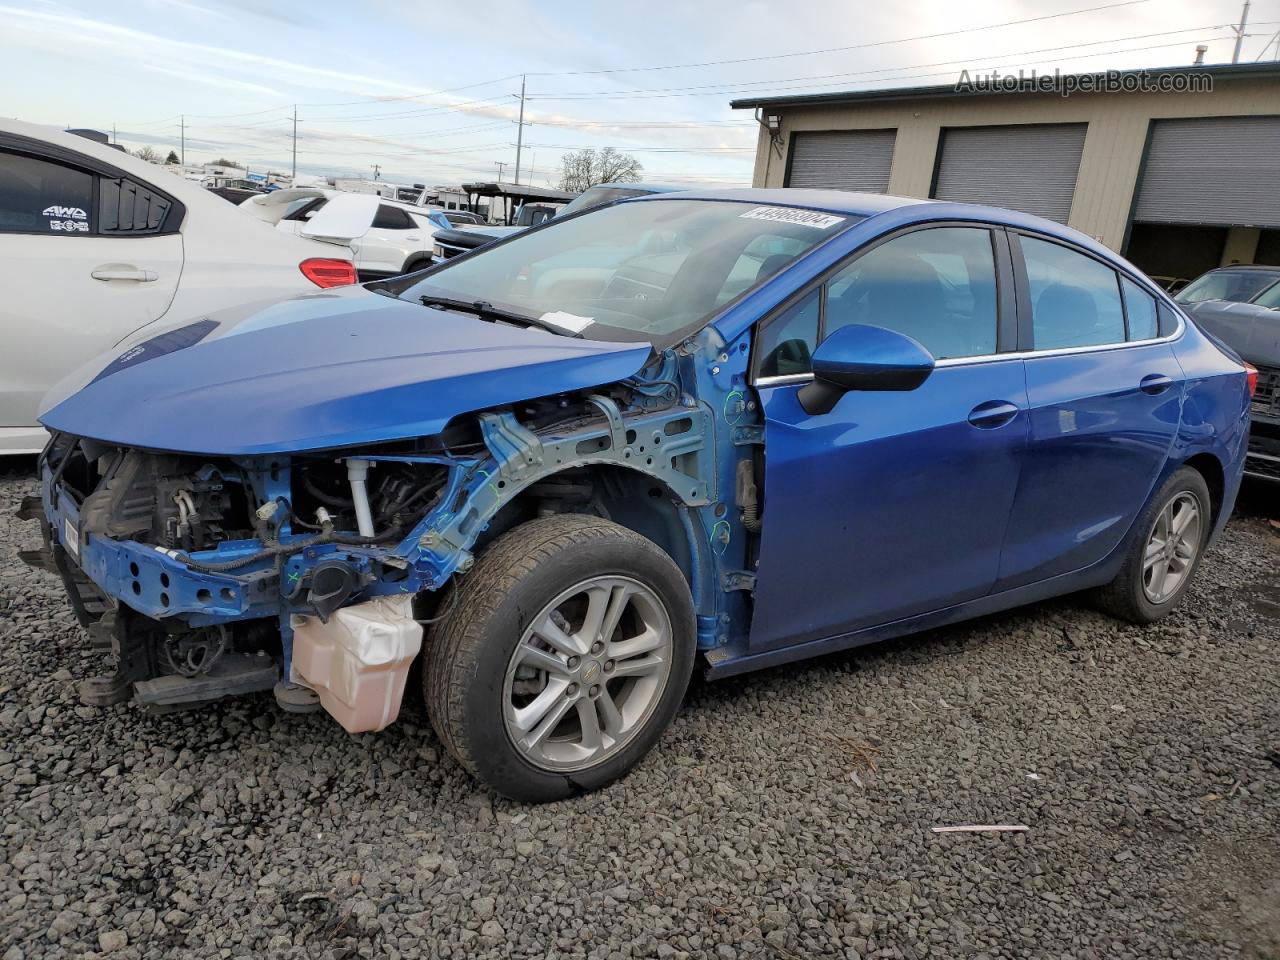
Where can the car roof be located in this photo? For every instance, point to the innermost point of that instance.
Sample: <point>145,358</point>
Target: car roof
<point>836,201</point>
<point>1245,267</point>
<point>902,210</point>
<point>173,183</point>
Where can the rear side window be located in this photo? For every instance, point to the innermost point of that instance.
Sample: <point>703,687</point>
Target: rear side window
<point>1075,300</point>
<point>392,218</point>
<point>127,208</point>
<point>37,196</point>
<point>936,285</point>
<point>1140,308</point>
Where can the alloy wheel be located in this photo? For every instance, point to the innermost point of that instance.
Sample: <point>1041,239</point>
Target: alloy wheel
<point>1172,546</point>
<point>587,673</point>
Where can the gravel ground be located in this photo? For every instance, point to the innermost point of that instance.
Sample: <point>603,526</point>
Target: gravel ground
<point>787,814</point>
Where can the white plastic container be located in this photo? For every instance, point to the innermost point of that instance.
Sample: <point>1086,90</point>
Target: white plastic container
<point>359,660</point>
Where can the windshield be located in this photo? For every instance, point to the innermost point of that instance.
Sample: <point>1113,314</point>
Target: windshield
<point>641,271</point>
<point>1238,285</point>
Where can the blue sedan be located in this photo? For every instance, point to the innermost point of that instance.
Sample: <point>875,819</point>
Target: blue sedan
<point>714,430</point>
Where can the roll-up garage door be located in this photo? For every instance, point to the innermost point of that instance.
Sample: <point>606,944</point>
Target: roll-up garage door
<point>1215,170</point>
<point>1029,167</point>
<point>842,160</point>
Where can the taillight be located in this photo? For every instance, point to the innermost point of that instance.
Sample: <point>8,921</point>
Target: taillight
<point>324,272</point>
<point>1251,374</point>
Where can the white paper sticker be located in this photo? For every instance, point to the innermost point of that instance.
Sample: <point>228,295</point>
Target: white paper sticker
<point>71,539</point>
<point>566,321</point>
<point>805,218</point>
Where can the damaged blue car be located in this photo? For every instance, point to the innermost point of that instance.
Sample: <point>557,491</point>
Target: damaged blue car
<point>548,480</point>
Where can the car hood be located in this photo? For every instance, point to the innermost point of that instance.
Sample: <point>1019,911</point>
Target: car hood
<point>336,369</point>
<point>1249,330</point>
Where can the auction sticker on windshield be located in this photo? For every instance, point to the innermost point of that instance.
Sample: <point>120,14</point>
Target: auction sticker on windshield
<point>807,218</point>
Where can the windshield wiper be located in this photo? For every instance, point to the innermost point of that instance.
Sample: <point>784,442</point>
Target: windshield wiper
<point>487,311</point>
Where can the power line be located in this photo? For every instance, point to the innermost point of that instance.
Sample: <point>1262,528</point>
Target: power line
<point>856,46</point>
<point>731,88</point>
<point>717,88</point>
<point>676,66</point>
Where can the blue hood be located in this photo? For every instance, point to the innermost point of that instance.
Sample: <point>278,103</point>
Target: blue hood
<point>326,370</point>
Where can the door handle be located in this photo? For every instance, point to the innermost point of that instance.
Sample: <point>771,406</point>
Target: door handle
<point>1154,383</point>
<point>992,414</point>
<point>124,273</point>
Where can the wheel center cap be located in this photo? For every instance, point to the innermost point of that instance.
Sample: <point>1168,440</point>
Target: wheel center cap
<point>591,672</point>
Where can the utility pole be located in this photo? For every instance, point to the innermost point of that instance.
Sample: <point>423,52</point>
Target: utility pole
<point>499,164</point>
<point>520,129</point>
<point>1244,22</point>
<point>113,133</point>
<point>377,171</point>
<point>294,175</point>
<point>182,135</point>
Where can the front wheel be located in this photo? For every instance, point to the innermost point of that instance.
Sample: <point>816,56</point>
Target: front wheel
<point>566,654</point>
<point>1164,551</point>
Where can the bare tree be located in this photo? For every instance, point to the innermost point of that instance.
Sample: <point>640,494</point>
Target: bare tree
<point>148,154</point>
<point>585,168</point>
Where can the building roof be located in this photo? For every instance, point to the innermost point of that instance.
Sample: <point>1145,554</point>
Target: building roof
<point>1225,71</point>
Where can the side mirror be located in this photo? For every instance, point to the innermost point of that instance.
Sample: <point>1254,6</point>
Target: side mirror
<point>859,357</point>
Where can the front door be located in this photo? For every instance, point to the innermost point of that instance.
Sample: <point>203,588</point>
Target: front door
<point>892,504</point>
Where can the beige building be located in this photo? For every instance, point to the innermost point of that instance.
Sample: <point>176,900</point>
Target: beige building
<point>1177,169</point>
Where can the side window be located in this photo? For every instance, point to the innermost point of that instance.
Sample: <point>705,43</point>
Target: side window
<point>392,218</point>
<point>37,196</point>
<point>128,209</point>
<point>785,343</point>
<point>1168,321</point>
<point>936,285</point>
<point>1075,300</point>
<point>1140,307</point>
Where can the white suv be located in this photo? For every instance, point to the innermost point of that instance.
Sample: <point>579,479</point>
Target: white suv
<point>97,245</point>
<point>394,237</point>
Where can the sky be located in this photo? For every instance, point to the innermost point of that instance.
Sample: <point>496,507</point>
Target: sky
<point>429,91</point>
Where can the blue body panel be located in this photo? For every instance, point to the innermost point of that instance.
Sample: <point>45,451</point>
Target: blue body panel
<point>1098,445</point>
<point>892,512</point>
<point>893,503</point>
<point>315,373</point>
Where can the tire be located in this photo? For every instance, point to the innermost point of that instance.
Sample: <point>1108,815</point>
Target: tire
<point>1129,596</point>
<point>414,265</point>
<point>478,664</point>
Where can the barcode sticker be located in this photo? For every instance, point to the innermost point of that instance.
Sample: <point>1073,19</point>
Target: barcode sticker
<point>805,218</point>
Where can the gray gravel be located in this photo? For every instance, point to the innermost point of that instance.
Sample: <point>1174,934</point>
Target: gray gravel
<point>786,815</point>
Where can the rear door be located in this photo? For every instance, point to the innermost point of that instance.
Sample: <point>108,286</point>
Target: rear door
<point>92,258</point>
<point>395,234</point>
<point>1106,397</point>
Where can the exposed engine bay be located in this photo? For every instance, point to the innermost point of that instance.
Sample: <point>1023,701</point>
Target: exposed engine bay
<point>212,576</point>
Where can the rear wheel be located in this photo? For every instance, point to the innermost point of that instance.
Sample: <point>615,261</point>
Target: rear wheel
<point>566,655</point>
<point>1164,552</point>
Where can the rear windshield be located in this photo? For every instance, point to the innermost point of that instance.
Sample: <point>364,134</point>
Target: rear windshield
<point>1238,285</point>
<point>644,271</point>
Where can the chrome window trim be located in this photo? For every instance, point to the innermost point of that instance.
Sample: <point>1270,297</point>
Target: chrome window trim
<point>791,378</point>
